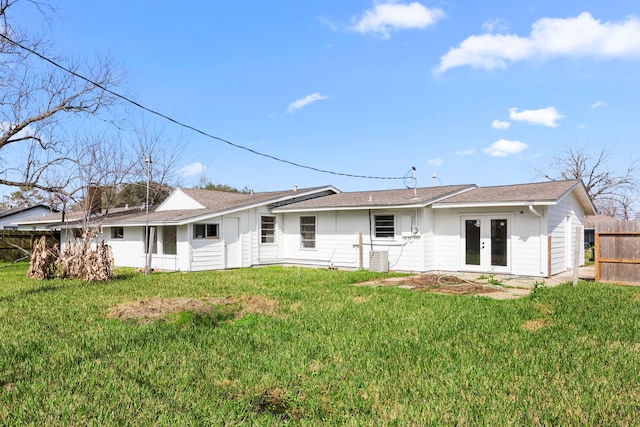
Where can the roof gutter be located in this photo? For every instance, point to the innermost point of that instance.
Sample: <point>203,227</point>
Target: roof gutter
<point>534,211</point>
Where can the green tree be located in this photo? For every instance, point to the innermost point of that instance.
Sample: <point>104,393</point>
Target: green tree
<point>208,185</point>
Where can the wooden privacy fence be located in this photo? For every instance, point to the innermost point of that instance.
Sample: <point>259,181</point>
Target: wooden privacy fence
<point>16,244</point>
<point>617,252</point>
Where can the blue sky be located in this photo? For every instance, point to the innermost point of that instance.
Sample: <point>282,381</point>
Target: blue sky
<point>473,92</point>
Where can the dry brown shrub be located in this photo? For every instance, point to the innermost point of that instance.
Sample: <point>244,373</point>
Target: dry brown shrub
<point>43,260</point>
<point>80,259</point>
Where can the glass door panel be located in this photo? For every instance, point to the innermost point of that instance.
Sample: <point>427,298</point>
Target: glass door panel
<point>472,242</point>
<point>499,239</point>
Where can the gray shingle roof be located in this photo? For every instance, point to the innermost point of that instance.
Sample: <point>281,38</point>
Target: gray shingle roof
<point>20,209</point>
<point>381,198</point>
<point>214,202</point>
<point>535,192</point>
<point>221,200</point>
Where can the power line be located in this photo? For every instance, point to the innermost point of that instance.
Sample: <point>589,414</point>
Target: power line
<point>185,125</point>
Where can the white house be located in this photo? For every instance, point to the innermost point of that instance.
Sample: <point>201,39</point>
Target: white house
<point>527,229</point>
<point>9,218</point>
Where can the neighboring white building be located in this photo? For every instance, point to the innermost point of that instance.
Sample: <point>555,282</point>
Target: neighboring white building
<point>527,229</point>
<point>10,217</point>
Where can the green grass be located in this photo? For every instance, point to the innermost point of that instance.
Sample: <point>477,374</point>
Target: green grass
<point>332,354</point>
<point>588,257</point>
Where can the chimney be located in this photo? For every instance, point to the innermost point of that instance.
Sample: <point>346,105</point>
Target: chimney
<point>94,199</point>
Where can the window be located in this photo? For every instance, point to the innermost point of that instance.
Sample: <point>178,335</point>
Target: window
<point>205,231</point>
<point>385,226</point>
<point>154,247</point>
<point>169,240</point>
<point>308,232</point>
<point>268,229</point>
<point>117,232</point>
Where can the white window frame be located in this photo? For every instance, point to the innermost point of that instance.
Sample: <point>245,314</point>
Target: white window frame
<point>266,232</point>
<point>382,231</point>
<point>115,235</point>
<point>164,239</point>
<point>206,232</point>
<point>315,233</point>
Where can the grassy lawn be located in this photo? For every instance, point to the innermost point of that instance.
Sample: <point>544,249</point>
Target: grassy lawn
<point>308,348</point>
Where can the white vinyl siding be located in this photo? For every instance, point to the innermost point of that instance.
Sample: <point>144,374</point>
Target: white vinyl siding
<point>563,233</point>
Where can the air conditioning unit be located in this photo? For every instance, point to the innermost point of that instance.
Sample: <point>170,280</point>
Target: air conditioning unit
<point>379,261</point>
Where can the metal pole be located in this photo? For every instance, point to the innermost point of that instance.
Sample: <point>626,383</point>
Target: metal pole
<point>147,268</point>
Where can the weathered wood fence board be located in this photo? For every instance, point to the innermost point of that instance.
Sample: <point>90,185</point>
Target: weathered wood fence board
<point>23,239</point>
<point>617,252</point>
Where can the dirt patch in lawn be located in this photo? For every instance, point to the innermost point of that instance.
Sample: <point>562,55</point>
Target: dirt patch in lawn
<point>148,310</point>
<point>534,325</point>
<point>445,284</point>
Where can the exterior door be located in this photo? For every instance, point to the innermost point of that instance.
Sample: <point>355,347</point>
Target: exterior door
<point>232,244</point>
<point>486,243</point>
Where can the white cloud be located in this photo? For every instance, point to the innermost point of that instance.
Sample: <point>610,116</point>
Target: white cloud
<point>468,152</point>
<point>435,162</point>
<point>598,104</point>
<point>303,102</point>
<point>582,36</point>
<point>544,116</point>
<point>193,169</point>
<point>391,15</point>
<point>504,147</point>
<point>499,124</point>
<point>493,25</point>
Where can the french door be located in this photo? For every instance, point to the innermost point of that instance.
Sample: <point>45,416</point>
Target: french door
<point>486,243</point>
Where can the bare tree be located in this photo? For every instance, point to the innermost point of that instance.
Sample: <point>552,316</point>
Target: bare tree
<point>38,102</point>
<point>612,191</point>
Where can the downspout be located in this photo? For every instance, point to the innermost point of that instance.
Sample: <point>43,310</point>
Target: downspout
<point>539,215</point>
<point>370,232</point>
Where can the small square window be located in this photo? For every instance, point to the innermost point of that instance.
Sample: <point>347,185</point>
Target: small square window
<point>385,226</point>
<point>117,232</point>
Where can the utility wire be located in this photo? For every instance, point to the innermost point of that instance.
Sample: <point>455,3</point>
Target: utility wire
<point>182,124</point>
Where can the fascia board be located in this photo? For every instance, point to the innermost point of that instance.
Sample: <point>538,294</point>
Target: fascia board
<point>585,200</point>
<point>348,208</point>
<point>491,204</point>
